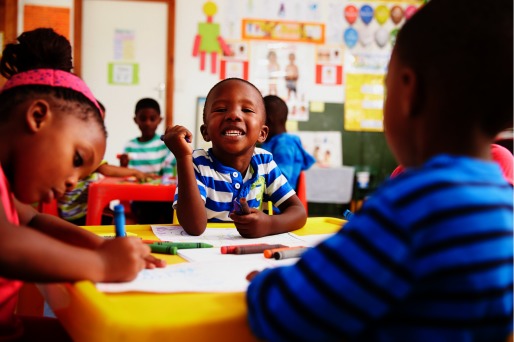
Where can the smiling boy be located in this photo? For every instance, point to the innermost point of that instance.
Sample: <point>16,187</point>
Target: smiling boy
<point>212,183</point>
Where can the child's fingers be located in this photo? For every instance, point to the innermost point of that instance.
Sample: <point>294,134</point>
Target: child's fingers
<point>252,275</point>
<point>245,208</point>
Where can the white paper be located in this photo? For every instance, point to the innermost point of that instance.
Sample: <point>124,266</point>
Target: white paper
<point>223,237</point>
<point>213,276</point>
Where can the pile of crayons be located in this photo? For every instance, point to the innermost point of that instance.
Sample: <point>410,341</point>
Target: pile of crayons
<point>269,251</point>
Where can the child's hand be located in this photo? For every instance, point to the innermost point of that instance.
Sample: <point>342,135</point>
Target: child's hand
<point>123,258</point>
<point>253,225</point>
<point>252,275</point>
<point>124,159</point>
<point>177,139</point>
<point>153,262</point>
<point>142,176</point>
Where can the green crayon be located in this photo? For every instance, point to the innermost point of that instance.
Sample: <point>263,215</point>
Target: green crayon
<point>183,245</point>
<point>163,249</point>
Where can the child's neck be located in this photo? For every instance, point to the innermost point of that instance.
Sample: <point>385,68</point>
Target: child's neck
<point>238,162</point>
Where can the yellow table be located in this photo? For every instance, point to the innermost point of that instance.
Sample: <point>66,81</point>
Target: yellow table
<point>90,315</point>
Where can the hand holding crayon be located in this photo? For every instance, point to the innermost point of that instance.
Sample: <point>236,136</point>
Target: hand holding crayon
<point>241,207</point>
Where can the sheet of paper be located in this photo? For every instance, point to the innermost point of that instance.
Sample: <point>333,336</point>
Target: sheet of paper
<point>215,276</point>
<point>312,240</point>
<point>223,237</point>
<point>214,254</point>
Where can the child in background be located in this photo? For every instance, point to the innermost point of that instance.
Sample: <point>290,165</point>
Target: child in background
<point>211,184</point>
<point>49,118</point>
<point>429,255</point>
<point>73,204</point>
<point>286,148</point>
<point>148,154</point>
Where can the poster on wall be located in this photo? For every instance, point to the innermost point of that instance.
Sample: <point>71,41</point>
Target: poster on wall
<point>198,138</point>
<point>329,65</point>
<point>325,146</point>
<point>284,70</point>
<point>236,63</point>
<point>124,44</point>
<point>368,31</point>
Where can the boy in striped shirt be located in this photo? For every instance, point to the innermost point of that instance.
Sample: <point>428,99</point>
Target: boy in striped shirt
<point>213,184</point>
<point>429,256</point>
<point>148,154</point>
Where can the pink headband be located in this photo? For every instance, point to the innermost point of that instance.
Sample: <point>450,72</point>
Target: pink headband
<point>52,78</point>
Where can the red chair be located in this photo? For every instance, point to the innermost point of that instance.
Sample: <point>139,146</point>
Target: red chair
<point>49,208</point>
<point>301,190</point>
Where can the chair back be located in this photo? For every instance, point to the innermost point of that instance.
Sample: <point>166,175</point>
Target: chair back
<point>301,190</point>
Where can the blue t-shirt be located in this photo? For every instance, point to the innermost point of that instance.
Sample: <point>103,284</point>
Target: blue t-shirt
<point>220,185</point>
<point>289,155</point>
<point>429,257</point>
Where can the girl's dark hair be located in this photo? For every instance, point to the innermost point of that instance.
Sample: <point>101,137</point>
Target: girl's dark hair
<point>40,48</point>
<point>37,49</point>
<point>461,51</point>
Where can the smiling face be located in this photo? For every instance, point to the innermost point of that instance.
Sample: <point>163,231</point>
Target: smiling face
<point>234,120</point>
<point>53,157</point>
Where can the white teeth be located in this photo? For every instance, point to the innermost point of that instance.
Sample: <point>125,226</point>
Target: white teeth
<point>233,133</point>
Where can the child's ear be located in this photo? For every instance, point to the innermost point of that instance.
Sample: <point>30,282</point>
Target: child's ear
<point>411,91</point>
<point>263,134</point>
<point>38,114</point>
<point>205,135</point>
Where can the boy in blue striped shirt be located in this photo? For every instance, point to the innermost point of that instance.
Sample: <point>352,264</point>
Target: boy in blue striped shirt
<point>429,257</point>
<point>213,185</point>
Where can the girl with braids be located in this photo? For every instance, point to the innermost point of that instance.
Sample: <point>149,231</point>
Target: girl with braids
<point>51,135</point>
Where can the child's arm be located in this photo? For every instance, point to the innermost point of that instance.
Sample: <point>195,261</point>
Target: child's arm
<point>65,231</point>
<point>118,171</point>
<point>30,255</point>
<point>191,211</point>
<point>258,224</point>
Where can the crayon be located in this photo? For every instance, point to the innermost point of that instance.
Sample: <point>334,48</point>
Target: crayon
<point>255,249</point>
<point>182,245</point>
<point>270,252</point>
<point>163,249</point>
<point>119,220</point>
<point>289,253</point>
<point>241,207</point>
<point>232,249</point>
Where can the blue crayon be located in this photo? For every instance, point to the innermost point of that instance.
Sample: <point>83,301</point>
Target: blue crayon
<point>119,220</point>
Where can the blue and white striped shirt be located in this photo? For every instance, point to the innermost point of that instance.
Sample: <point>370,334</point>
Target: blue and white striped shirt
<point>429,257</point>
<point>220,185</point>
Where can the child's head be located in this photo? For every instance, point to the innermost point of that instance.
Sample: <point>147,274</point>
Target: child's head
<point>147,117</point>
<point>51,129</point>
<point>276,115</point>
<point>234,117</point>
<point>449,83</point>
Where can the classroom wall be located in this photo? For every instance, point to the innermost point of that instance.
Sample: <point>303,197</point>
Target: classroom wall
<point>361,149</point>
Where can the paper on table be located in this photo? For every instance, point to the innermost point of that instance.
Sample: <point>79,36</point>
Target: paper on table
<point>312,240</point>
<point>222,237</point>
<point>195,277</point>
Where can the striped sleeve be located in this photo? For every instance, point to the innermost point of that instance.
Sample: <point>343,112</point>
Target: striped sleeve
<point>425,259</point>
